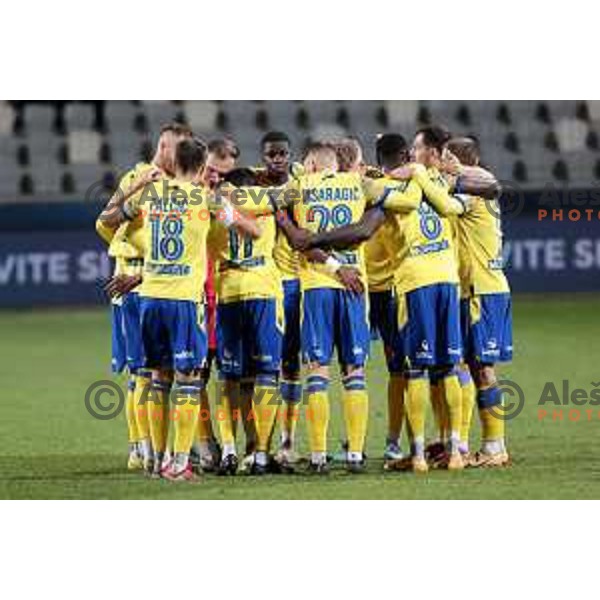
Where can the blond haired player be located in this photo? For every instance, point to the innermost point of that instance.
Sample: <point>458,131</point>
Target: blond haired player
<point>426,281</point>
<point>485,309</point>
<point>175,221</point>
<point>126,335</point>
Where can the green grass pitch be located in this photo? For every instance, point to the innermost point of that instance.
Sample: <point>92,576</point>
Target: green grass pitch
<point>52,447</point>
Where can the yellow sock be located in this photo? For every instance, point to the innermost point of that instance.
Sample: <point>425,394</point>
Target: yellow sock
<point>356,412</point>
<point>291,394</point>
<point>158,415</point>
<point>186,407</point>
<point>439,410</point>
<point>228,413</point>
<point>265,403</point>
<point>468,402</point>
<point>453,401</point>
<point>132,428</point>
<point>317,413</point>
<point>143,389</point>
<point>396,389</point>
<point>205,429</point>
<point>417,391</point>
<point>492,427</point>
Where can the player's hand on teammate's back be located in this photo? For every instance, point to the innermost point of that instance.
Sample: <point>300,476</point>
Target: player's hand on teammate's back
<point>119,285</point>
<point>450,163</point>
<point>350,277</point>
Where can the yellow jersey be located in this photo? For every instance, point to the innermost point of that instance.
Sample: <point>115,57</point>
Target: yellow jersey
<point>128,257</point>
<point>329,200</point>
<point>175,222</point>
<point>378,259</point>
<point>480,260</point>
<point>286,259</point>
<point>423,242</point>
<point>245,267</point>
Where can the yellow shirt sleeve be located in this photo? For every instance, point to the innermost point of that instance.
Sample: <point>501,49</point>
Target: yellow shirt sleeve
<point>404,197</point>
<point>437,195</point>
<point>106,233</point>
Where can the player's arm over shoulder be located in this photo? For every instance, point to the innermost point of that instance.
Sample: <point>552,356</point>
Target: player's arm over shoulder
<point>477,181</point>
<point>438,194</point>
<point>220,205</point>
<point>124,203</point>
<point>396,196</point>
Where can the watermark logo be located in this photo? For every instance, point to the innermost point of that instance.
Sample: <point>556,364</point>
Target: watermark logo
<point>513,401</point>
<point>104,400</point>
<point>510,204</point>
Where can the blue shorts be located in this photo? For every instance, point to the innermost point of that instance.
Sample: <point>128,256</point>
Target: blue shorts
<point>173,334</point>
<point>486,321</point>
<point>290,354</point>
<point>249,337</point>
<point>334,318</point>
<point>383,321</point>
<point>127,348</point>
<point>429,324</point>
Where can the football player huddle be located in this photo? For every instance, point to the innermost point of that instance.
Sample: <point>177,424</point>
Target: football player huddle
<point>266,270</point>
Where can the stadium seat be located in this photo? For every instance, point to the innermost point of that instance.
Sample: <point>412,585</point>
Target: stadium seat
<point>402,112</point>
<point>593,108</point>
<point>42,150</point>
<point>47,176</point>
<point>534,142</point>
<point>321,111</point>
<point>86,176</point>
<point>364,116</point>
<point>119,116</point>
<point>201,115</point>
<point>327,131</point>
<point>160,112</point>
<point>8,153</point>
<point>581,165</point>
<point>240,114</point>
<point>84,147</point>
<point>79,116</point>
<point>40,119</point>
<point>7,119</point>
<point>124,152</point>
<point>539,166</point>
<point>282,114</point>
<point>9,182</point>
<point>571,134</point>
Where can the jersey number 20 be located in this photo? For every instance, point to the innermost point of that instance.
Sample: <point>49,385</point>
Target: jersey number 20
<point>338,216</point>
